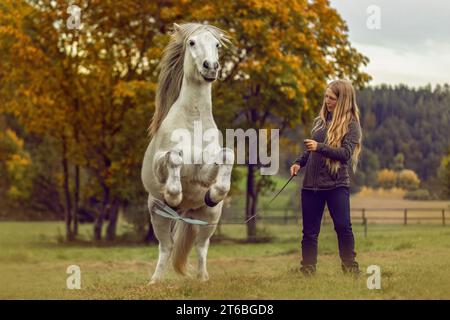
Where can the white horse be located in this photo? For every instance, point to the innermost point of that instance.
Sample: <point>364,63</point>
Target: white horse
<point>188,67</point>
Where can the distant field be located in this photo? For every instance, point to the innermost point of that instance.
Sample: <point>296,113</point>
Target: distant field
<point>414,263</point>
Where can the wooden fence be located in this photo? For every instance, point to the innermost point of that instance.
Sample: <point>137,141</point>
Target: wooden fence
<point>404,216</point>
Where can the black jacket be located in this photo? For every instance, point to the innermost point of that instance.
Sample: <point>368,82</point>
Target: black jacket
<point>317,175</point>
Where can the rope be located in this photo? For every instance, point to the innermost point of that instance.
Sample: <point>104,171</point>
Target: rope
<point>165,211</point>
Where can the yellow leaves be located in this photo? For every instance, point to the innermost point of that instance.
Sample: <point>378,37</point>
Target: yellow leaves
<point>253,26</point>
<point>154,52</point>
<point>408,179</point>
<point>17,162</point>
<point>289,92</point>
<point>124,89</point>
<point>13,192</point>
<point>169,13</point>
<point>387,178</point>
<point>12,136</point>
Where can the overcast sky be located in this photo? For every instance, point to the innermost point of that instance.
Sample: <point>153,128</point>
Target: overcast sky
<point>412,45</point>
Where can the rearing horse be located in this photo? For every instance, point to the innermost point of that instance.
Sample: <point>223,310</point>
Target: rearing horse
<point>171,171</point>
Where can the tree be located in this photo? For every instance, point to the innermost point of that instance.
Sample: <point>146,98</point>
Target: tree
<point>444,175</point>
<point>275,75</point>
<point>412,121</point>
<point>15,165</point>
<point>91,89</point>
<point>387,178</point>
<point>399,162</point>
<point>407,179</point>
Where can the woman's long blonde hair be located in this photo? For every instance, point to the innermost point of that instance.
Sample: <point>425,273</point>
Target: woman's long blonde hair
<point>346,111</point>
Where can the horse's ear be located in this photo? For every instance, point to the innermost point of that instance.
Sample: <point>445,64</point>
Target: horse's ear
<point>176,27</point>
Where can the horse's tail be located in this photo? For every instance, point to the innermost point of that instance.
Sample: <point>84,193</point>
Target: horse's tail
<point>184,237</point>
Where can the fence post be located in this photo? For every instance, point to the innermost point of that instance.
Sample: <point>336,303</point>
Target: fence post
<point>443,217</point>
<point>405,218</point>
<point>364,220</point>
<point>365,227</point>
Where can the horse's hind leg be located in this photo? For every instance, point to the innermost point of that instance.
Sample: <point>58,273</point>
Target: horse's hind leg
<point>161,226</point>
<point>202,246</point>
<point>204,235</point>
<point>168,172</point>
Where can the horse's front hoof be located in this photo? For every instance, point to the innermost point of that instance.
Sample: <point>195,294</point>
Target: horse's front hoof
<point>173,200</point>
<point>208,200</point>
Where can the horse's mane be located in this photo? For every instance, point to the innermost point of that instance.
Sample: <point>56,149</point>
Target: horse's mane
<point>171,66</point>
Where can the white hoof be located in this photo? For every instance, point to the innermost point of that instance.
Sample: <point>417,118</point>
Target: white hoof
<point>203,277</point>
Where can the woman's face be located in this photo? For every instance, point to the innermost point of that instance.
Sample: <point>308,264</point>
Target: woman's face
<point>330,100</point>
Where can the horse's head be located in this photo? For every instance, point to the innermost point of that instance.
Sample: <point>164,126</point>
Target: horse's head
<point>201,56</point>
<point>192,52</point>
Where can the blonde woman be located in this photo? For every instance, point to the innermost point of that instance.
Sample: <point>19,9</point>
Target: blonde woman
<point>333,150</point>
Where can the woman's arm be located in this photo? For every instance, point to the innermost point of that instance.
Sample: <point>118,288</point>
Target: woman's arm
<point>303,158</point>
<point>349,143</point>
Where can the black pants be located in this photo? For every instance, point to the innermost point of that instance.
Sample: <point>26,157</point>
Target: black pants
<point>313,204</point>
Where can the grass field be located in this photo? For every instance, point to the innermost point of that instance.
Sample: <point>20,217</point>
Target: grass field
<point>414,261</point>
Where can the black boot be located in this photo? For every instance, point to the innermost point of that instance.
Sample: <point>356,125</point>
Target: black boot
<point>351,268</point>
<point>308,270</point>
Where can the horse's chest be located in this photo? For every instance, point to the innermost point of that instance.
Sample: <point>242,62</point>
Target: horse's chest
<point>193,193</point>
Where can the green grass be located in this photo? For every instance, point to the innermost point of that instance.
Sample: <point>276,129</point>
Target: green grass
<point>414,263</point>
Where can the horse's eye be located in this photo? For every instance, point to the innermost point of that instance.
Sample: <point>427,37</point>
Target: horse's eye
<point>191,43</point>
<point>217,45</point>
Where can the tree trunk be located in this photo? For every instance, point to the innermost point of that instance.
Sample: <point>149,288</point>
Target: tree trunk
<point>77,167</point>
<point>113,215</point>
<point>68,206</point>
<point>76,200</point>
<point>98,226</point>
<point>251,202</point>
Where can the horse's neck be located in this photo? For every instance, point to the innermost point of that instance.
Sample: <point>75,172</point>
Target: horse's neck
<point>195,102</point>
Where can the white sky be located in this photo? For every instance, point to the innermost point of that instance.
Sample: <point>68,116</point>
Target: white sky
<point>412,45</point>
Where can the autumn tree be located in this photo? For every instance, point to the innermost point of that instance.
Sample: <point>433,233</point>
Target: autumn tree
<point>90,87</point>
<point>408,179</point>
<point>32,84</point>
<point>274,76</point>
<point>387,178</point>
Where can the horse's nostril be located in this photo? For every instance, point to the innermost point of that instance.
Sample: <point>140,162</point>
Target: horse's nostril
<point>206,64</point>
<point>216,65</point>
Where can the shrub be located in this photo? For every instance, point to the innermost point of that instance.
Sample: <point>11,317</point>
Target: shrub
<point>386,178</point>
<point>419,194</point>
<point>408,179</point>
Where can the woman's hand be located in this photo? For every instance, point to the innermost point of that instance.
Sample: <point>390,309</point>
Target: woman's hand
<point>294,169</point>
<point>311,145</point>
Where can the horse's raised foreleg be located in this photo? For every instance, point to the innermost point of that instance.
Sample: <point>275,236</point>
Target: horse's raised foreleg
<point>161,226</point>
<point>167,170</point>
<point>221,186</point>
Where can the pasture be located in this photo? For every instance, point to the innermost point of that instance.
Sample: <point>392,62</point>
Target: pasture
<point>414,263</point>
